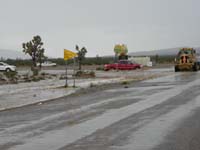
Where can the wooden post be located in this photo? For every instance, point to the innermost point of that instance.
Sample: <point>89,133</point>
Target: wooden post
<point>66,82</point>
<point>74,75</point>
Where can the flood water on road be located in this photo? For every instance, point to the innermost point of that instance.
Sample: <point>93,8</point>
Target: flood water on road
<point>146,113</point>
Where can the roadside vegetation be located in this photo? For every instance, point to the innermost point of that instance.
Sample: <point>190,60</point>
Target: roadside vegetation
<point>87,61</point>
<point>35,50</point>
<point>81,56</point>
<point>163,59</point>
<point>81,60</point>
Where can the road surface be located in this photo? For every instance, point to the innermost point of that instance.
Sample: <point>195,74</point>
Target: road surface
<point>158,114</point>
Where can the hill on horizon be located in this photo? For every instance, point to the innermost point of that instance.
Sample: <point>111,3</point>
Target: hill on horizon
<point>161,52</point>
<point>12,54</point>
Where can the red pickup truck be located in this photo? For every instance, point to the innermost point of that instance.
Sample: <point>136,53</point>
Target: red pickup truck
<point>122,65</point>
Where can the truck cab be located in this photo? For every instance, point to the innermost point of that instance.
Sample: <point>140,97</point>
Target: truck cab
<point>186,59</point>
<point>122,65</point>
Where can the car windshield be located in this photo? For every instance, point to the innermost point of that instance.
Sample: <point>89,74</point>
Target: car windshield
<point>4,64</point>
<point>47,62</point>
<point>124,62</point>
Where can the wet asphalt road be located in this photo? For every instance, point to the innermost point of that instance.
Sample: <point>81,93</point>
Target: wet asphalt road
<point>158,114</point>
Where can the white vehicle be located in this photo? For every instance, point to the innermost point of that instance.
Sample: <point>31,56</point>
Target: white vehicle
<point>47,64</point>
<point>7,67</point>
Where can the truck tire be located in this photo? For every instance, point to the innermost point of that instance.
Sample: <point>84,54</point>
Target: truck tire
<point>176,69</point>
<point>195,67</point>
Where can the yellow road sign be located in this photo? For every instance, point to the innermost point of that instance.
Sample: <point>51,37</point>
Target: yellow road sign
<point>69,54</point>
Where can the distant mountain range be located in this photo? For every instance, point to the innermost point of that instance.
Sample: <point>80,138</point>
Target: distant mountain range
<point>161,52</point>
<point>12,54</point>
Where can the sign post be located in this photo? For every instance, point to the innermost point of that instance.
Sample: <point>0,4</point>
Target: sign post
<point>74,75</point>
<point>66,78</point>
<point>68,55</point>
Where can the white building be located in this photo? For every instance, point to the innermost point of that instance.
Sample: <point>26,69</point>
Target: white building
<point>145,61</point>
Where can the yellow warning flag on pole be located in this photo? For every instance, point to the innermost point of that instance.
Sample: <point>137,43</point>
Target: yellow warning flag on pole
<point>69,54</point>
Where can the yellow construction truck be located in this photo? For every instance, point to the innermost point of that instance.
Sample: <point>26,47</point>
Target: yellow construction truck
<point>187,59</point>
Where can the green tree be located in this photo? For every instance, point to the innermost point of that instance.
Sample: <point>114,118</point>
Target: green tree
<point>41,57</point>
<point>35,50</point>
<point>156,58</point>
<point>81,55</point>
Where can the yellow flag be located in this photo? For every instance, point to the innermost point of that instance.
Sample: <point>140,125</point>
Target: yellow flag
<point>69,54</point>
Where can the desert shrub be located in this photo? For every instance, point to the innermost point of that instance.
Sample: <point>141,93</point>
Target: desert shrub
<point>10,74</point>
<point>99,68</point>
<point>92,85</point>
<point>87,74</point>
<point>35,71</point>
<point>124,82</point>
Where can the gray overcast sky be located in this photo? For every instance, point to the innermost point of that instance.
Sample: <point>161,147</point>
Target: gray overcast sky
<point>100,24</point>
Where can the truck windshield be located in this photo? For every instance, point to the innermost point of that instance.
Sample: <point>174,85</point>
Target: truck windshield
<point>185,52</point>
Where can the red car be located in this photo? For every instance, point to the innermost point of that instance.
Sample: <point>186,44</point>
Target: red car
<point>122,65</point>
